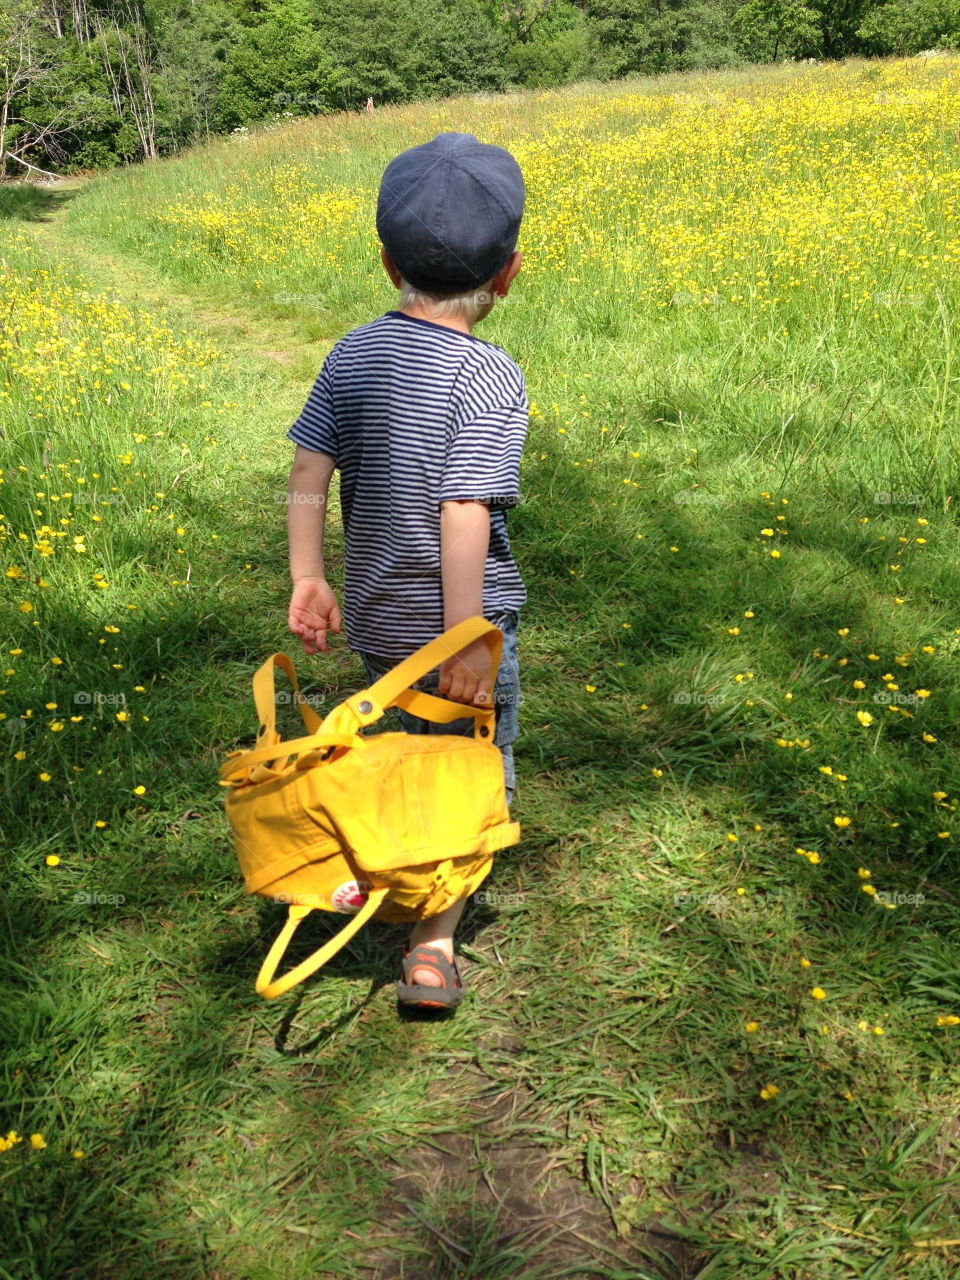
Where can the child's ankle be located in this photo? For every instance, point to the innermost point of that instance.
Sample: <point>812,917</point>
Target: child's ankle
<point>422,937</point>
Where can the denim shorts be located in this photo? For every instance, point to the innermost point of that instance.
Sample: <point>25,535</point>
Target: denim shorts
<point>506,698</point>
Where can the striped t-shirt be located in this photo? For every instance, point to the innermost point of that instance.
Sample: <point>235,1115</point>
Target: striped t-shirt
<point>415,414</point>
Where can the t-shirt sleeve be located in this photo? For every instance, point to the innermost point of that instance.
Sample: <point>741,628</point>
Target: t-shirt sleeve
<point>483,457</point>
<point>316,428</point>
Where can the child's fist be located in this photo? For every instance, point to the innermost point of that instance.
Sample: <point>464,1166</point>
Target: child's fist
<point>466,676</point>
<point>313,612</point>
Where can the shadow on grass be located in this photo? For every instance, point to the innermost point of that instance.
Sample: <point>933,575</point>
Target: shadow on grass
<point>32,201</point>
<point>375,956</point>
<point>595,753</point>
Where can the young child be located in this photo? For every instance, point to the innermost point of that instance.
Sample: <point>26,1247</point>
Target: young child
<point>426,424</point>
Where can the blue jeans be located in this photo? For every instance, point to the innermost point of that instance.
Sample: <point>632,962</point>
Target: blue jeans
<point>506,699</point>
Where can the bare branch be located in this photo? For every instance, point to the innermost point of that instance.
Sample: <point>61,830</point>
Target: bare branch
<point>27,165</point>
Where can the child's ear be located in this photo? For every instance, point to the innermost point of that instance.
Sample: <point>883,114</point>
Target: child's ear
<point>390,267</point>
<point>505,276</point>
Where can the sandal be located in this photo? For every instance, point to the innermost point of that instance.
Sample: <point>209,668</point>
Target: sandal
<point>448,996</point>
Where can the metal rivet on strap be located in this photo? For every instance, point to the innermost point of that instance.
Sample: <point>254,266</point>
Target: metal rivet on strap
<point>484,731</point>
<point>365,707</point>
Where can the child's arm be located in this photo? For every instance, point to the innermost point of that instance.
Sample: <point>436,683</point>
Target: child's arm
<point>313,606</point>
<point>464,540</point>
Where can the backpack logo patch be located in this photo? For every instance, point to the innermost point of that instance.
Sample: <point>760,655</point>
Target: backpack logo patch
<point>351,896</point>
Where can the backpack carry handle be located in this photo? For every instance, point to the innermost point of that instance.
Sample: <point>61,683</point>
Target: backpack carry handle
<point>268,988</point>
<point>394,687</point>
<point>367,706</point>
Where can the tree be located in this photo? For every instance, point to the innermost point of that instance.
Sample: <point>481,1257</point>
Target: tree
<point>194,42</point>
<point>464,50</point>
<point>839,21</point>
<point>557,52</point>
<point>769,29</point>
<point>129,64</point>
<point>280,64</point>
<point>29,75</point>
<point>519,17</point>
<point>400,50</point>
<point>907,27</point>
<point>642,36</point>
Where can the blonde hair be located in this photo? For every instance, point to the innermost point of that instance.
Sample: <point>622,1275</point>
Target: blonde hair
<point>467,306</point>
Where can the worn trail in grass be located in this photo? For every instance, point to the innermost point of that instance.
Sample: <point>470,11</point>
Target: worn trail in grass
<point>503,1185</point>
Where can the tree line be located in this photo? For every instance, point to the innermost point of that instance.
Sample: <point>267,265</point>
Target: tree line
<point>87,84</point>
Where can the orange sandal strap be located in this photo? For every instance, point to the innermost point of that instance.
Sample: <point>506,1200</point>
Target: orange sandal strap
<point>423,956</point>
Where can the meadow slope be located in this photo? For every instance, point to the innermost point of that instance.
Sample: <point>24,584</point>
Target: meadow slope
<point>713,1028</point>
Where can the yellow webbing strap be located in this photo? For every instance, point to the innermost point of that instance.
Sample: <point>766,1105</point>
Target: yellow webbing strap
<point>266,986</point>
<point>264,694</point>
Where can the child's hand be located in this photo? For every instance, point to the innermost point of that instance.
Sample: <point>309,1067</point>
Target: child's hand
<point>466,676</point>
<point>313,612</point>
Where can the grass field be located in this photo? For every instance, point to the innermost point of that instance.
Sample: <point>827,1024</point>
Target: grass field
<point>716,1034</point>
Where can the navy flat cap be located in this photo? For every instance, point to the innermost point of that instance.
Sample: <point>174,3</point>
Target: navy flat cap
<point>449,212</point>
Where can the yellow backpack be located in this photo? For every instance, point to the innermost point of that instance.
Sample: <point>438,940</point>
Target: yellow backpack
<point>393,825</point>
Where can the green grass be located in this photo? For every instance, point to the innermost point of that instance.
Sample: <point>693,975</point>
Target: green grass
<point>227,1138</point>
